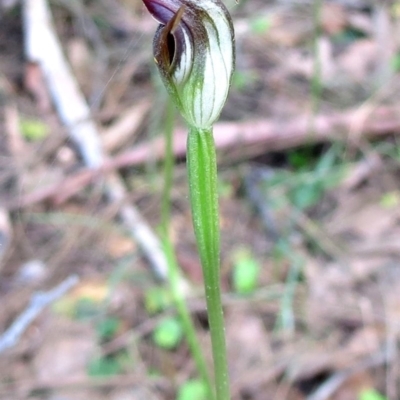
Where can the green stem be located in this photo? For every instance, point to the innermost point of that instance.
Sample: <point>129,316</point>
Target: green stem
<point>202,171</point>
<point>168,168</point>
<point>184,314</point>
<point>316,80</point>
<point>174,275</point>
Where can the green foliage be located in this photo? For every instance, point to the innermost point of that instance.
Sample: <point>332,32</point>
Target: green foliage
<point>370,394</point>
<point>306,196</point>
<point>107,328</point>
<point>395,63</point>
<point>260,25</point>
<point>168,333</point>
<point>104,366</point>
<point>348,36</point>
<point>33,130</point>
<point>192,390</point>
<point>86,308</point>
<point>101,22</point>
<point>390,200</point>
<point>301,159</point>
<point>284,250</point>
<point>242,79</point>
<point>246,271</point>
<point>225,188</point>
<point>157,299</point>
<point>305,187</point>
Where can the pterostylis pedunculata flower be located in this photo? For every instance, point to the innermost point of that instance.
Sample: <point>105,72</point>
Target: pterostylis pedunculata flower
<point>194,51</point>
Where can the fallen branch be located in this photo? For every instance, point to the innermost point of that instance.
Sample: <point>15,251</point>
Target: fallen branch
<point>241,140</point>
<point>43,48</point>
<point>37,304</point>
<point>237,141</point>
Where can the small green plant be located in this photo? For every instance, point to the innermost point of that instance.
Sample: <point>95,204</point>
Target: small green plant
<point>157,299</point>
<point>192,390</point>
<point>246,271</point>
<point>348,35</point>
<point>261,25</point>
<point>33,130</point>
<point>284,250</point>
<point>86,308</point>
<point>168,333</point>
<point>107,328</point>
<point>370,394</point>
<point>395,63</point>
<point>390,199</point>
<point>244,81</point>
<point>303,188</point>
<point>104,366</point>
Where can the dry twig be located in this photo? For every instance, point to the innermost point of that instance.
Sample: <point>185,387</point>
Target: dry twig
<point>43,48</point>
<point>237,141</point>
<point>38,302</point>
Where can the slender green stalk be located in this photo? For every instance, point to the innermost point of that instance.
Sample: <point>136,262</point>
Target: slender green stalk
<point>187,323</point>
<point>202,171</point>
<point>316,80</point>
<point>168,168</point>
<point>197,73</point>
<point>174,275</point>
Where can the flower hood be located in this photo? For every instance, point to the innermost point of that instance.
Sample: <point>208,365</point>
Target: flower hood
<point>195,54</point>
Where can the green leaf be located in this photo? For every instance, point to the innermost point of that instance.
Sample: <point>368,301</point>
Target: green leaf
<point>348,36</point>
<point>395,63</point>
<point>390,200</point>
<point>107,328</point>
<point>306,196</point>
<point>246,271</point>
<point>104,366</point>
<point>260,25</point>
<point>192,390</point>
<point>33,130</point>
<point>300,158</point>
<point>157,299</point>
<point>370,394</point>
<point>168,333</point>
<point>225,188</point>
<point>241,80</point>
<point>86,308</point>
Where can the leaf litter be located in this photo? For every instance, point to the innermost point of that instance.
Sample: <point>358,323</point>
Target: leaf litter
<point>323,321</point>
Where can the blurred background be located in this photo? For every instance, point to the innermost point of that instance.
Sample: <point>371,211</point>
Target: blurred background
<point>309,193</point>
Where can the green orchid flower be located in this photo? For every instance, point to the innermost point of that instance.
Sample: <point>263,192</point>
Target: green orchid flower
<point>194,51</point>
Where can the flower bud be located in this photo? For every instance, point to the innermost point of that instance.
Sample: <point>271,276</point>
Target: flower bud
<point>195,54</point>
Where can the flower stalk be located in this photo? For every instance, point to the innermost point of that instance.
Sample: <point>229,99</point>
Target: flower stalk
<point>194,52</point>
<point>202,172</point>
<point>174,276</point>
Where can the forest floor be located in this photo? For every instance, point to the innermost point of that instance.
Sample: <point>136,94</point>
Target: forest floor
<point>309,166</point>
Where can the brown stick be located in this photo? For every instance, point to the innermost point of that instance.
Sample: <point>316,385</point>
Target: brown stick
<point>240,140</point>
<point>43,48</point>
